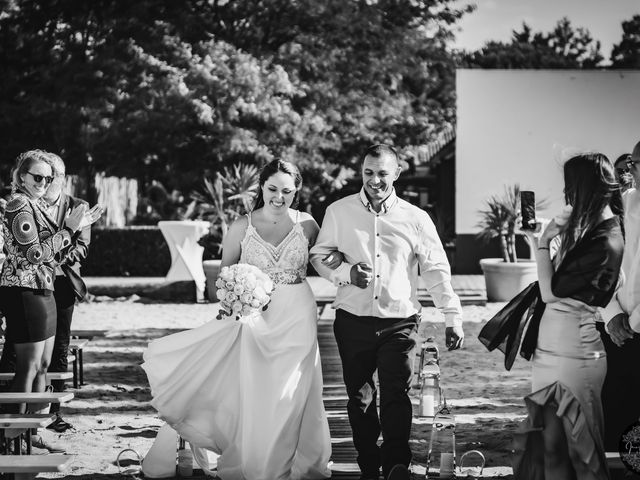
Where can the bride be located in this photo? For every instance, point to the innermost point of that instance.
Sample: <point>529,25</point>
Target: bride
<point>251,390</point>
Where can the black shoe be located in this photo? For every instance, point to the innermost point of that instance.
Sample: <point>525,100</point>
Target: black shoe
<point>59,425</point>
<point>399,472</point>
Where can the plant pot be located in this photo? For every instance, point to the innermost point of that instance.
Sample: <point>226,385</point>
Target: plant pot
<point>505,280</point>
<point>211,270</point>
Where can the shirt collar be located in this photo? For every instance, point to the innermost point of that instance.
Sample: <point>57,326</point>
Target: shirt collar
<point>56,203</point>
<point>387,204</point>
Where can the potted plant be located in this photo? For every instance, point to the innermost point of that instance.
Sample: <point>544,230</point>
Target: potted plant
<point>222,201</point>
<point>504,277</point>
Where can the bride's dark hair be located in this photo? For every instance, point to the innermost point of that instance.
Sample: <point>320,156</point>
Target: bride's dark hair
<point>589,186</point>
<point>271,168</point>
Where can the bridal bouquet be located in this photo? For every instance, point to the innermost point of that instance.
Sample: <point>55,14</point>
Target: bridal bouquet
<point>242,290</point>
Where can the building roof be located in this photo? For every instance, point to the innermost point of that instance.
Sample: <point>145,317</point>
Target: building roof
<point>424,154</point>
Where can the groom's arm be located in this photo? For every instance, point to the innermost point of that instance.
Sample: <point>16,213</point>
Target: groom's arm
<point>326,243</point>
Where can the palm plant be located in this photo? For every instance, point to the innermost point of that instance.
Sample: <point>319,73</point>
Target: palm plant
<point>222,201</point>
<point>499,220</point>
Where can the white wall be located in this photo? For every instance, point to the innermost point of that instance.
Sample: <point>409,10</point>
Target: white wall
<point>520,125</point>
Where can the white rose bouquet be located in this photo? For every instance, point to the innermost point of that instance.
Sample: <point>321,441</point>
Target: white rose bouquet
<point>242,290</point>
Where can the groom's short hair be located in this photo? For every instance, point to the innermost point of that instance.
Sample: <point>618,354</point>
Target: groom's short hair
<point>380,149</point>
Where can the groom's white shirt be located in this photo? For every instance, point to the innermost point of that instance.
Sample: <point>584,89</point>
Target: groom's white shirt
<point>627,296</point>
<point>398,242</point>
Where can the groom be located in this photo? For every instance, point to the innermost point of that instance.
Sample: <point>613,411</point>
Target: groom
<point>387,243</point>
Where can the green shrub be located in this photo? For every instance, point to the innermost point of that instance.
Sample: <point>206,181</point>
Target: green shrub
<point>131,251</point>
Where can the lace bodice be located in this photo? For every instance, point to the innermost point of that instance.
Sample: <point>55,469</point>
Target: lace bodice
<point>286,263</point>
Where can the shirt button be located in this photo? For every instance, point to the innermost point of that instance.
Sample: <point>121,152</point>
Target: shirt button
<point>378,255</point>
<point>377,234</point>
<point>376,298</point>
<point>377,276</point>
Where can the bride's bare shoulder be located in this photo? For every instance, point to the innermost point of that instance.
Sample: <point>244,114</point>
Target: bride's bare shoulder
<point>239,226</point>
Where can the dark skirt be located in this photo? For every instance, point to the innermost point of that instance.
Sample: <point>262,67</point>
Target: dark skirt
<point>30,314</point>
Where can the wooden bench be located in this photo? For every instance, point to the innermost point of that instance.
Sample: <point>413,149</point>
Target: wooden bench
<point>8,376</point>
<point>27,467</point>
<point>24,422</point>
<point>38,397</point>
<point>87,334</point>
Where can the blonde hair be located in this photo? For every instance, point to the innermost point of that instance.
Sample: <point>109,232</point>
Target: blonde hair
<point>25,161</point>
<point>57,165</point>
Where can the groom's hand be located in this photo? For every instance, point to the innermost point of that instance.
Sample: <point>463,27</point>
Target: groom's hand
<point>361,275</point>
<point>619,329</point>
<point>454,337</point>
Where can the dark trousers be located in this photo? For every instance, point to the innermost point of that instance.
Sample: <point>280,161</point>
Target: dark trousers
<point>367,344</point>
<point>621,389</point>
<point>65,302</point>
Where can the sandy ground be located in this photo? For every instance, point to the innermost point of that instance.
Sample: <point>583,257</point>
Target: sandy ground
<point>111,412</point>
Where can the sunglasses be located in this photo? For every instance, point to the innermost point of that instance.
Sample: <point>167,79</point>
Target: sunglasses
<point>631,163</point>
<point>39,178</point>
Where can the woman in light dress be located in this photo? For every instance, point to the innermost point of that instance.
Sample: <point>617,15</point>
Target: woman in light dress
<point>251,390</point>
<point>569,363</point>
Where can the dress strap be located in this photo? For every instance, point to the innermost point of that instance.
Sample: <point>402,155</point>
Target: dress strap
<point>297,216</point>
<point>249,218</point>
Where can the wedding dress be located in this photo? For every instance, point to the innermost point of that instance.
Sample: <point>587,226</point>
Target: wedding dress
<point>251,390</point>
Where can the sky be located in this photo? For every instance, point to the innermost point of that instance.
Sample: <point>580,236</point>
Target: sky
<point>495,19</point>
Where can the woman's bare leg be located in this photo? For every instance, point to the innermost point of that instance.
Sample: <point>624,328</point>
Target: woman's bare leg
<point>40,380</point>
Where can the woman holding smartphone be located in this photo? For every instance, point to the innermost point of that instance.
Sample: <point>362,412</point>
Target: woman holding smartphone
<point>32,242</point>
<point>569,363</point>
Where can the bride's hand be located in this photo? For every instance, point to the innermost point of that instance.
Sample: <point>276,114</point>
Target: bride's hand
<point>333,260</point>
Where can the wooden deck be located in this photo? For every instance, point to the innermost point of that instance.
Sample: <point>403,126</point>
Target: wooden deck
<point>335,402</point>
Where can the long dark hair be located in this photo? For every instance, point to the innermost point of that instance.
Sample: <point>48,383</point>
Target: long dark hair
<point>589,186</point>
<point>271,168</point>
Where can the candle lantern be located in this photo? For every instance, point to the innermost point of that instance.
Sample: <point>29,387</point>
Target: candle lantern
<point>443,421</point>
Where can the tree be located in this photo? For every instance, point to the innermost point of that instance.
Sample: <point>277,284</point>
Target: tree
<point>173,91</point>
<point>626,54</point>
<point>563,47</point>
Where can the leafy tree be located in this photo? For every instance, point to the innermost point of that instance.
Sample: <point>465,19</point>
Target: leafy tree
<point>626,54</point>
<point>563,47</point>
<point>172,91</point>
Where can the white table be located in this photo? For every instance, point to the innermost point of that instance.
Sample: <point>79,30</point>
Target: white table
<point>186,255</point>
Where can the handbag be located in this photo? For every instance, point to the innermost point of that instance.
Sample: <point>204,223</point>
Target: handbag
<point>77,284</point>
<point>505,329</point>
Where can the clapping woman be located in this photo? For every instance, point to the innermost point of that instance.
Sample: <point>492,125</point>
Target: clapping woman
<point>26,281</point>
<point>569,363</point>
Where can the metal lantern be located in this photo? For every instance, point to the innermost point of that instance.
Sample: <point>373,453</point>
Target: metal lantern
<point>443,421</point>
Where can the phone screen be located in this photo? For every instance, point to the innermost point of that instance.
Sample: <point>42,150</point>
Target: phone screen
<point>528,209</point>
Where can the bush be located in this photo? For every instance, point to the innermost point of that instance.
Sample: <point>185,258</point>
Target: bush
<point>130,251</point>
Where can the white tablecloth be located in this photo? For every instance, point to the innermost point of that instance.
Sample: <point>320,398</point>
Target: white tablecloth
<point>186,255</point>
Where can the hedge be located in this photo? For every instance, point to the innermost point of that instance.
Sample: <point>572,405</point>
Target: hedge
<point>139,251</point>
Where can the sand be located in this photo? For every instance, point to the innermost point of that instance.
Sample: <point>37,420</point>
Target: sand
<point>112,412</point>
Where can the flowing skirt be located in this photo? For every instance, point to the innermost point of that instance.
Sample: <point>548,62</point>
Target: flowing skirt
<point>248,390</point>
<point>569,367</point>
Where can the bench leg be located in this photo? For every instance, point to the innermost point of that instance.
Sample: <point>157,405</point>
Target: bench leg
<point>80,366</point>
<point>75,372</point>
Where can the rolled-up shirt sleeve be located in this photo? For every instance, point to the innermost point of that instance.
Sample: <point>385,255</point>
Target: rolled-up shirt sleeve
<point>436,273</point>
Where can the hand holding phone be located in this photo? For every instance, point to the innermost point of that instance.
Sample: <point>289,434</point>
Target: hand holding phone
<point>528,210</point>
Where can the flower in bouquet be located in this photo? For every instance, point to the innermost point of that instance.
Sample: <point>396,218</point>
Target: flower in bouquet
<point>243,290</point>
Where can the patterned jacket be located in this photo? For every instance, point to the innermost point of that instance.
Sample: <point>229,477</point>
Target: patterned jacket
<point>31,243</point>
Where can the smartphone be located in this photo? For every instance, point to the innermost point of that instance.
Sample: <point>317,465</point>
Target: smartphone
<point>528,209</point>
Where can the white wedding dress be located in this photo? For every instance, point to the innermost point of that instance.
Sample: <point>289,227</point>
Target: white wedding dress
<point>251,390</point>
